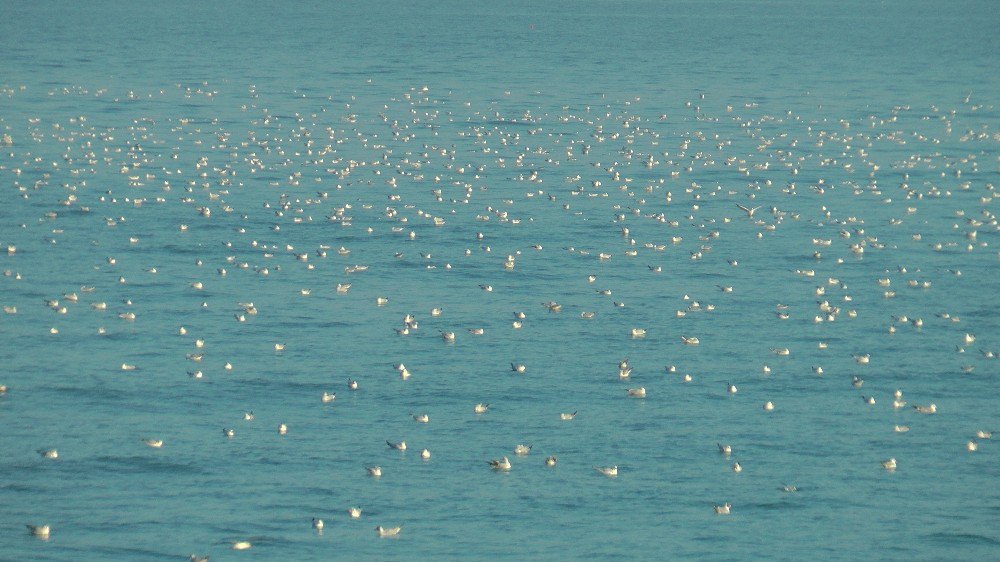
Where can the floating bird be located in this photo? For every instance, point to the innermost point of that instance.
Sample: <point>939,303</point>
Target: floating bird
<point>40,531</point>
<point>609,471</point>
<point>502,464</point>
<point>387,531</point>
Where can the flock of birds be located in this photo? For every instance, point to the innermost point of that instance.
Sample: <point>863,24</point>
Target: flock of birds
<point>421,164</point>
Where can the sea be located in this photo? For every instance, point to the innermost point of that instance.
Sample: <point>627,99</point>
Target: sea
<point>586,154</point>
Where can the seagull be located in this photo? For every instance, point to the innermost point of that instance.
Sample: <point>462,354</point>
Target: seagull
<point>420,418</point>
<point>425,454</point>
<point>550,461</point>
<point>354,512</point>
<point>901,428</point>
<point>387,531</point>
<point>637,392</point>
<point>725,449</point>
<point>154,443</point>
<point>789,488</point>
<point>567,417</point>
<point>40,531</point>
<point>518,367</point>
<point>327,397</point>
<point>352,384</point>
<point>932,409</point>
<point>737,467</point>
<point>49,453</point>
<point>983,434</point>
<point>522,450</point>
<point>481,408</point>
<point>501,464</point>
<point>401,446</point>
<point>317,524</point>
<point>228,432</point>
<point>609,471</point>
<point>374,471</point>
<point>724,509</point>
<point>889,464</point>
<point>748,210</point>
<point>241,545</point>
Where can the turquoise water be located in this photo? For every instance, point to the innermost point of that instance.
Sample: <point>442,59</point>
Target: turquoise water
<point>259,113</point>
